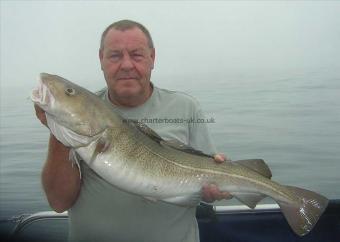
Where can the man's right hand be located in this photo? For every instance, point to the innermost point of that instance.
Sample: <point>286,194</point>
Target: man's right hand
<point>40,113</point>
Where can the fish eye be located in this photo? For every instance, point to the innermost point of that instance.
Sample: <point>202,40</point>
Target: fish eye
<point>70,91</point>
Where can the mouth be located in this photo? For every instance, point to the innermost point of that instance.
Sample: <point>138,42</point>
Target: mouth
<point>127,78</point>
<point>41,94</point>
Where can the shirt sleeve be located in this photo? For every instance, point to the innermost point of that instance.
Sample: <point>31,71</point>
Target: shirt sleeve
<point>199,134</point>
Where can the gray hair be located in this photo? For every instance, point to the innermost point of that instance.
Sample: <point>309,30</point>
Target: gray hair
<point>125,25</point>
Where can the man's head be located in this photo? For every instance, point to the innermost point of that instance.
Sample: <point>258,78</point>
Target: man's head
<point>125,25</point>
<point>127,58</point>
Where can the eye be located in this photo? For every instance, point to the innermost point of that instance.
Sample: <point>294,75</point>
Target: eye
<point>115,56</point>
<point>137,56</point>
<point>70,91</point>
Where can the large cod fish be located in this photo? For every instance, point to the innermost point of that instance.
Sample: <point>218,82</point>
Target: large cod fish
<point>135,159</point>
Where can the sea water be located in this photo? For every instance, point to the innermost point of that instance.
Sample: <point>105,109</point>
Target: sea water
<point>291,119</point>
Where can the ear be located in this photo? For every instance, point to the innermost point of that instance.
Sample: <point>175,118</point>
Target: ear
<point>153,57</point>
<point>101,56</point>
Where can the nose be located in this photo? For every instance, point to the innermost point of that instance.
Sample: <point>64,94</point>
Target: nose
<point>127,63</point>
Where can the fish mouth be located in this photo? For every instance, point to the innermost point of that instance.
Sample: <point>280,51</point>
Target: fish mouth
<point>41,95</point>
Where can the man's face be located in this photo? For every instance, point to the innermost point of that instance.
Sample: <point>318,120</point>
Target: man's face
<point>127,61</point>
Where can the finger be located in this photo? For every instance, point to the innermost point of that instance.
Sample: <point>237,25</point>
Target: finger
<point>219,158</point>
<point>40,113</point>
<point>211,193</point>
<point>37,108</point>
<point>227,195</point>
<point>206,194</point>
<point>216,194</point>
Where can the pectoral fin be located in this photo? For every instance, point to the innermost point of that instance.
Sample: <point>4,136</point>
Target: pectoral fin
<point>74,158</point>
<point>102,146</point>
<point>150,199</point>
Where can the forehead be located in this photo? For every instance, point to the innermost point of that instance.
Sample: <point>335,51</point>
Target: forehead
<point>130,39</point>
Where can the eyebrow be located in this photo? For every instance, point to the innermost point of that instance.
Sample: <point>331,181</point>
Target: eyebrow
<point>112,51</point>
<point>134,50</point>
<point>138,49</point>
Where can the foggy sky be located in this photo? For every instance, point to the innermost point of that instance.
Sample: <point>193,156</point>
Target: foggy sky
<point>191,37</point>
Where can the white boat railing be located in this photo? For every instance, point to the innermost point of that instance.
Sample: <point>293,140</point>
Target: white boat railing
<point>244,208</point>
<point>25,220</point>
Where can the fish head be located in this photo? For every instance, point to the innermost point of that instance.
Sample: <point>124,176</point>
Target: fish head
<point>70,105</point>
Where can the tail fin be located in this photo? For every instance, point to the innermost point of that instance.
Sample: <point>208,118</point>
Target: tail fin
<point>305,213</point>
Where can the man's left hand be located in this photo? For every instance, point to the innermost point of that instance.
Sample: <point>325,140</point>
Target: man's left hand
<point>211,193</point>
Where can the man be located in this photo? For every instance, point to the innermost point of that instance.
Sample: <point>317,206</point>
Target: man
<point>97,210</point>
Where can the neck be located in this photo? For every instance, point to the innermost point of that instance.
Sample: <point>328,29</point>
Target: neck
<point>130,101</point>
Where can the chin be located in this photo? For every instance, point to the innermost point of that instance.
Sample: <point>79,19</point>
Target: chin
<point>129,92</point>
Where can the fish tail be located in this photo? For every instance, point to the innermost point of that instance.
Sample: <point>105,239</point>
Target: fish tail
<point>303,214</point>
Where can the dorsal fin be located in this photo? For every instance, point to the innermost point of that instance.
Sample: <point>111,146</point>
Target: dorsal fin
<point>257,165</point>
<point>178,145</point>
<point>145,130</point>
<point>175,144</point>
